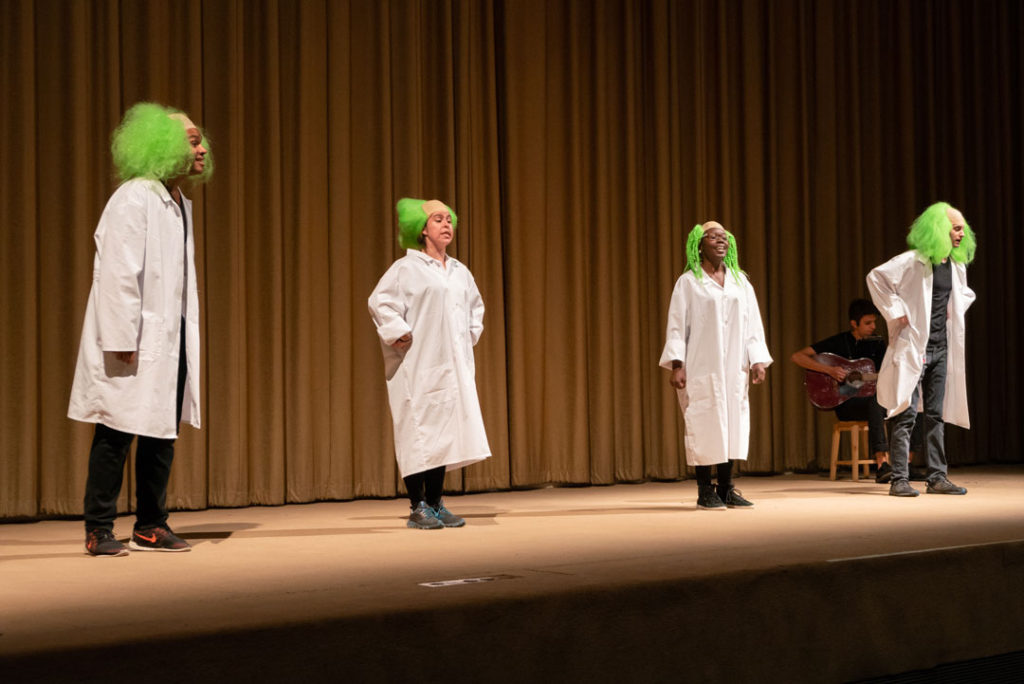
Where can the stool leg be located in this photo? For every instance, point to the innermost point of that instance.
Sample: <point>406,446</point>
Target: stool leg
<point>855,453</point>
<point>868,456</point>
<point>835,452</point>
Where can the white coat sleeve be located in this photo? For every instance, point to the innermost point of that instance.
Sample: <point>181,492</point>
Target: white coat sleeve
<point>388,307</point>
<point>476,312</point>
<point>883,284</point>
<point>121,243</point>
<point>677,331</point>
<point>969,295</point>
<point>757,346</point>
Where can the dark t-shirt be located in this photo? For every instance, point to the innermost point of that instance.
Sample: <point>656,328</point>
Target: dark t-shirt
<point>942,283</point>
<point>849,347</point>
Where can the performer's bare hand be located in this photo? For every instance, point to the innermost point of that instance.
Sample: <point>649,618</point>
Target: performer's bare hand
<point>901,323</point>
<point>757,373</point>
<point>678,379</point>
<point>839,374</point>
<point>125,356</point>
<point>403,342</point>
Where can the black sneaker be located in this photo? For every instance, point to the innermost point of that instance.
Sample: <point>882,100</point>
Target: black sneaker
<point>447,518</point>
<point>423,518</point>
<point>942,485</point>
<point>902,488</point>
<point>734,499</point>
<point>708,499</point>
<point>158,539</point>
<point>884,474</point>
<point>102,542</point>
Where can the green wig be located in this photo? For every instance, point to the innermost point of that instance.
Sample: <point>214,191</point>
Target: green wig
<point>731,260</point>
<point>150,144</point>
<point>412,219</point>
<point>929,235</point>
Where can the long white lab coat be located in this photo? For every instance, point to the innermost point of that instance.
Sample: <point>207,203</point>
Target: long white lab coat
<point>136,304</point>
<point>432,384</point>
<point>900,287</point>
<point>717,332</point>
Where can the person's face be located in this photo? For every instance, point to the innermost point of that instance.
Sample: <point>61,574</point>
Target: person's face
<point>715,242</point>
<point>956,233</point>
<point>195,139</point>
<point>865,327</point>
<point>439,229</point>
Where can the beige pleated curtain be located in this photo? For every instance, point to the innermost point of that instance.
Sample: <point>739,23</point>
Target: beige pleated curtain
<point>578,141</point>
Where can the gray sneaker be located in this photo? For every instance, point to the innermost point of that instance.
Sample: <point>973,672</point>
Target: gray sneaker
<point>447,518</point>
<point>902,488</point>
<point>423,518</point>
<point>942,485</point>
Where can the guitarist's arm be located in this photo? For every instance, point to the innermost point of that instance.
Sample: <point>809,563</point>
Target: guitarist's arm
<point>805,359</point>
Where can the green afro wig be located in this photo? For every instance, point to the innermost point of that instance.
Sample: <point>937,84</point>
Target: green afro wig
<point>693,253</point>
<point>150,144</point>
<point>412,219</point>
<point>929,235</point>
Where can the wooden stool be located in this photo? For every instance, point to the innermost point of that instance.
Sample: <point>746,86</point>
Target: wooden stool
<point>858,432</point>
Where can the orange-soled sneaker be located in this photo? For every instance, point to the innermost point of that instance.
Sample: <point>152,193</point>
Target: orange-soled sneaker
<point>102,542</point>
<point>157,539</point>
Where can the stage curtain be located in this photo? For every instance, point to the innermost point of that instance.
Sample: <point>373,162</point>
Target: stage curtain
<point>578,142</point>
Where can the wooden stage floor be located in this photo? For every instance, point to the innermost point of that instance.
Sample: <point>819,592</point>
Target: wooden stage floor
<point>821,581</point>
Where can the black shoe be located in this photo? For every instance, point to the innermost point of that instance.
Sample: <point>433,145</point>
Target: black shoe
<point>884,474</point>
<point>918,474</point>
<point>733,498</point>
<point>708,499</point>
<point>942,485</point>
<point>423,518</point>
<point>102,542</point>
<point>902,488</point>
<point>447,518</point>
<point>158,539</point>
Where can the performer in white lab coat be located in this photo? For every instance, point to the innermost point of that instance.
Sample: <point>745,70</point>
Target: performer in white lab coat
<point>923,296</point>
<point>429,315</point>
<point>138,362</point>
<point>714,347</point>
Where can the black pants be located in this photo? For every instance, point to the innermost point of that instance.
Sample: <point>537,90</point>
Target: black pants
<point>724,477</point>
<point>933,384</point>
<point>425,486</point>
<point>866,408</point>
<point>153,459</point>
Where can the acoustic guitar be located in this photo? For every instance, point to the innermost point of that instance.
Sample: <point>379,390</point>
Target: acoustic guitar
<point>825,392</point>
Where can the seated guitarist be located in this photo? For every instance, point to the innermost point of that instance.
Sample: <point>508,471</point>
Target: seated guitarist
<point>856,343</point>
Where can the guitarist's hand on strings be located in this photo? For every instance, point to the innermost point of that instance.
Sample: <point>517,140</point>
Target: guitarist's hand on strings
<point>678,378</point>
<point>837,373</point>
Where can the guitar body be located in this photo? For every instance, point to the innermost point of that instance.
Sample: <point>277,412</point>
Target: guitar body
<point>826,393</point>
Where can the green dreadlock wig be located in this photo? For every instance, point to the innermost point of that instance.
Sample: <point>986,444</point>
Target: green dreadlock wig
<point>693,253</point>
<point>929,235</point>
<point>412,219</point>
<point>150,144</point>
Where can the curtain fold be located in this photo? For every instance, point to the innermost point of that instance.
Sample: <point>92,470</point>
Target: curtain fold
<point>578,143</point>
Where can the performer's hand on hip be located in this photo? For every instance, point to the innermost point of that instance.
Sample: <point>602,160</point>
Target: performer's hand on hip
<point>757,373</point>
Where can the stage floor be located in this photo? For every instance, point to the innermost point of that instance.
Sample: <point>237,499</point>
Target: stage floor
<point>343,566</point>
